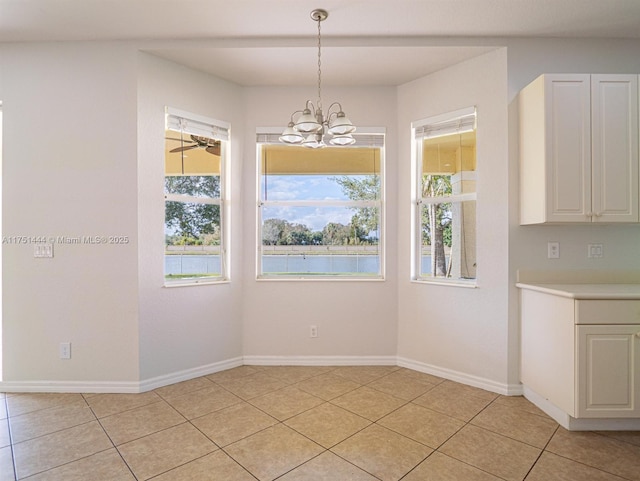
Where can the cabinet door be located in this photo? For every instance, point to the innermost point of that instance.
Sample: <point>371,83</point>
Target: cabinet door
<point>608,371</point>
<point>568,144</point>
<point>614,113</point>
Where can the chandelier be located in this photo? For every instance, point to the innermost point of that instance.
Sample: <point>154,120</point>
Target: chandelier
<point>309,126</point>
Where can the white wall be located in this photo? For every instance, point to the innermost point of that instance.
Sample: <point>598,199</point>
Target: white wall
<point>190,327</point>
<point>354,318</point>
<point>459,331</point>
<point>70,170</point>
<point>82,156</point>
<point>527,60</point>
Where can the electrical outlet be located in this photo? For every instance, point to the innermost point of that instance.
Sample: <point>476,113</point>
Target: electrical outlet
<point>65,350</point>
<point>313,331</point>
<point>553,250</point>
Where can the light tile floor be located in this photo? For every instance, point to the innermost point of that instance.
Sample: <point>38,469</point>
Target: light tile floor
<point>295,423</point>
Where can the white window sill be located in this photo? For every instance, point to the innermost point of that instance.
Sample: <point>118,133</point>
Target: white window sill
<point>321,278</point>
<point>196,282</point>
<point>452,283</point>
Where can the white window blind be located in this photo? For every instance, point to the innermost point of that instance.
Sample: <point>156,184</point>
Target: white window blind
<point>453,123</point>
<point>193,124</point>
<point>264,136</point>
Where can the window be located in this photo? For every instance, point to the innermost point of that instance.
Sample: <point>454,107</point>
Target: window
<point>445,198</point>
<point>194,191</point>
<point>320,210</point>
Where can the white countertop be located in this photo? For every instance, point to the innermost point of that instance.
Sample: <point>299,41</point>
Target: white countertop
<point>586,291</point>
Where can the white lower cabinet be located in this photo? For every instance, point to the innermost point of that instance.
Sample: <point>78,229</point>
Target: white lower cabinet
<point>608,370</point>
<point>582,356</point>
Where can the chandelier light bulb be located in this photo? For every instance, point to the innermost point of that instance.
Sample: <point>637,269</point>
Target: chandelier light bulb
<point>314,141</point>
<point>340,125</point>
<point>291,135</point>
<point>307,123</point>
<point>345,139</point>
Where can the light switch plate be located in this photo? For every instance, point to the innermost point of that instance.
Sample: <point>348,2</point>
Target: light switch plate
<point>43,250</point>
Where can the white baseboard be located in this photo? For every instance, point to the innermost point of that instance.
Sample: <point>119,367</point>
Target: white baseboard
<point>118,387</point>
<point>125,387</point>
<point>320,360</point>
<point>184,375</point>
<point>461,377</point>
<point>584,424</point>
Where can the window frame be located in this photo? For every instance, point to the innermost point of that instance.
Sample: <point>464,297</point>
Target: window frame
<point>196,124</point>
<point>418,201</point>
<point>269,135</point>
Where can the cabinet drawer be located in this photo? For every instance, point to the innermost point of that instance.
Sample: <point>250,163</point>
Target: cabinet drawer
<point>603,311</point>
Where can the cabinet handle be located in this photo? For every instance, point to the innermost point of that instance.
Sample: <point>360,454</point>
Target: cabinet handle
<point>589,214</point>
<point>598,214</point>
<point>638,334</point>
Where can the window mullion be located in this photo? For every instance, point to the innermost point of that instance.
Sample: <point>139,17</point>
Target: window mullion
<point>192,200</point>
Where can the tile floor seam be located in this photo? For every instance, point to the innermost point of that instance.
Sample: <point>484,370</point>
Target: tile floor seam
<point>416,466</point>
<point>341,441</point>
<point>204,434</point>
<point>606,436</point>
<point>56,406</point>
<point>355,465</point>
<point>488,429</point>
<point>175,467</point>
<point>186,421</point>
<point>242,438</point>
<point>11,443</point>
<point>137,407</point>
<point>582,464</point>
<point>334,397</point>
<point>296,467</point>
<point>498,406</point>
<point>441,414</point>
<point>55,432</point>
<point>61,465</point>
<point>123,411</point>
<point>470,465</point>
<point>539,456</point>
<point>237,461</point>
<point>125,463</point>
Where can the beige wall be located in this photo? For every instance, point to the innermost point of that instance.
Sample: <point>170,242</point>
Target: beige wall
<point>105,178</point>
<point>354,318</point>
<point>459,331</point>
<point>194,328</point>
<point>70,170</point>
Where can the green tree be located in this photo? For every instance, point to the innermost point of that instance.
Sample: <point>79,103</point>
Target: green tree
<point>298,234</point>
<point>272,231</point>
<point>189,219</point>
<point>335,233</point>
<point>436,221</point>
<point>367,187</point>
<point>282,232</point>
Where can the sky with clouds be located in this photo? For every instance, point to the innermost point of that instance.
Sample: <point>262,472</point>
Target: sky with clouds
<point>304,187</point>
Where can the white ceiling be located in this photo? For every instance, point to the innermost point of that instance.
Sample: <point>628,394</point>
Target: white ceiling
<point>271,42</point>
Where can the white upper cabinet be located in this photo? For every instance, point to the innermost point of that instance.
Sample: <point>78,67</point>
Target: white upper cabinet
<point>579,149</point>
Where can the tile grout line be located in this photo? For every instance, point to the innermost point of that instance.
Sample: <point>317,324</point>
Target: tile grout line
<point>359,384</point>
<point>112,443</point>
<point>13,455</point>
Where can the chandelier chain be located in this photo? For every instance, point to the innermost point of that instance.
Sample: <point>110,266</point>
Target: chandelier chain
<point>310,125</point>
<point>319,67</point>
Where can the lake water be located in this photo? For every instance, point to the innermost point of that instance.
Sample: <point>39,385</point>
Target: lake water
<point>210,264</point>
